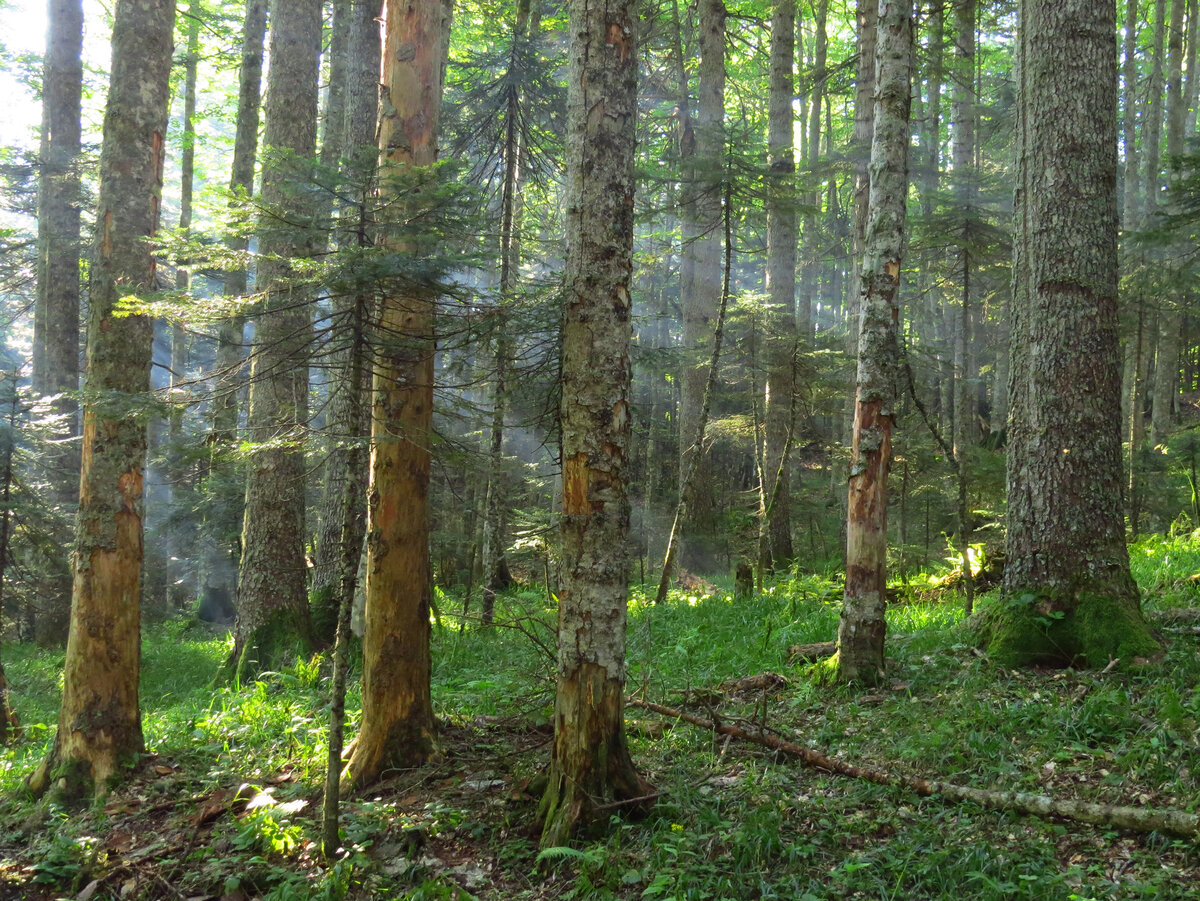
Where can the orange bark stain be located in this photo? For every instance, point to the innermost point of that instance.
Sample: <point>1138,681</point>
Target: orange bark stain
<point>575,485</point>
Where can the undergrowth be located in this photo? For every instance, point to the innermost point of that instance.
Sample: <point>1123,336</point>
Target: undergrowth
<point>225,804</point>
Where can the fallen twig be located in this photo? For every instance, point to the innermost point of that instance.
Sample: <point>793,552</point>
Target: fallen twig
<point>1137,819</point>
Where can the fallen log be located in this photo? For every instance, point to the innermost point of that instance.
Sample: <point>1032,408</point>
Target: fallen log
<point>1136,819</point>
<point>811,653</point>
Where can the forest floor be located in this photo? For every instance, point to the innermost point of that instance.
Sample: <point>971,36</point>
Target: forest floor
<point>226,804</point>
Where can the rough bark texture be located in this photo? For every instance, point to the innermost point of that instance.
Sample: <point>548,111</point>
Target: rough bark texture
<point>99,724</point>
<point>219,570</point>
<point>1069,596</point>
<point>781,275</point>
<point>590,763</point>
<point>355,122</point>
<point>56,314</point>
<point>963,157</point>
<point>398,728</point>
<point>272,617</point>
<point>702,292</point>
<point>861,629</point>
<point>1166,364</point>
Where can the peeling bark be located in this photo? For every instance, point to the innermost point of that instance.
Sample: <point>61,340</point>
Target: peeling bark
<point>590,764</point>
<point>398,728</point>
<point>100,725</point>
<point>861,628</point>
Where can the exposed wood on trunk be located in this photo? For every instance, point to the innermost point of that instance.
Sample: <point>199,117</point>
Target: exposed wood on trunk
<point>590,765</point>
<point>861,628</point>
<point>100,725</point>
<point>398,728</point>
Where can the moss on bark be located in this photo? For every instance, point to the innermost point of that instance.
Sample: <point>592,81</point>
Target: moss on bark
<point>1086,628</point>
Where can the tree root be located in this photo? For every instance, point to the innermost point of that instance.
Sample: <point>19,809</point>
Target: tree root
<point>1136,819</point>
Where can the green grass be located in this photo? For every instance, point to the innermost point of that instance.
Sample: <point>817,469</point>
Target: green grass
<point>732,821</point>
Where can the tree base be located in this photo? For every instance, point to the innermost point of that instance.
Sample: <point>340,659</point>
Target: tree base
<point>372,754</point>
<point>273,645</point>
<point>1089,629</point>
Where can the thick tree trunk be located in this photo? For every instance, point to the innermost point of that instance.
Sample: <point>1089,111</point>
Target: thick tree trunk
<point>781,278</point>
<point>702,293</point>
<point>398,728</point>
<point>590,764</point>
<point>273,618</point>
<point>1069,596</point>
<point>100,725</point>
<point>56,313</point>
<point>861,629</point>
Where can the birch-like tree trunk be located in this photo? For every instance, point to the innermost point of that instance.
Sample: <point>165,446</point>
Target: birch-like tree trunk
<point>56,311</point>
<point>1069,596</point>
<point>100,726</point>
<point>398,728</point>
<point>861,629</point>
<point>272,604</point>
<point>590,764</point>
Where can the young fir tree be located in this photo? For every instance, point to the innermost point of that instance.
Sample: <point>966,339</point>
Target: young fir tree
<point>590,764</point>
<point>100,725</point>
<point>1069,595</point>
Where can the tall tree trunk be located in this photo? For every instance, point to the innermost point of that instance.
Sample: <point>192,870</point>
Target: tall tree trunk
<point>590,763</point>
<point>219,569</point>
<point>1166,364</point>
<point>698,545</point>
<point>100,726</point>
<point>398,728</point>
<point>495,566</point>
<point>963,159</point>
<point>781,276</point>
<point>861,630</point>
<point>350,119</point>
<point>1066,560</point>
<point>272,604</point>
<point>56,313</point>
<point>1131,204</point>
<point>867,15</point>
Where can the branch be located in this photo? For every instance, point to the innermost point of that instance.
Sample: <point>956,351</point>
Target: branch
<point>1137,819</point>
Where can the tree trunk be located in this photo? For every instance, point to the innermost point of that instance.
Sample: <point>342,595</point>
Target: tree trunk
<point>1166,365</point>
<point>590,763</point>
<point>781,277</point>
<point>273,618</point>
<point>702,293</point>
<point>219,569</point>
<point>398,728</point>
<point>100,725</point>
<point>963,158</point>
<point>861,629</point>
<point>56,314</point>
<point>354,118</point>
<point>1069,596</point>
